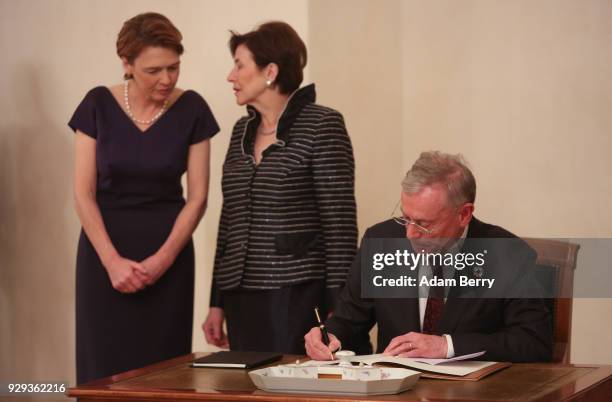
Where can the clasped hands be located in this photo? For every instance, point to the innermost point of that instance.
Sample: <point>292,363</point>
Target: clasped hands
<point>129,276</point>
<point>411,344</point>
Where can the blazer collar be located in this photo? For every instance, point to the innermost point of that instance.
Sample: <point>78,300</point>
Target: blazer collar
<point>295,103</point>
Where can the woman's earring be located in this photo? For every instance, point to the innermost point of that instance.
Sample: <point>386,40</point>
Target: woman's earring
<point>268,83</point>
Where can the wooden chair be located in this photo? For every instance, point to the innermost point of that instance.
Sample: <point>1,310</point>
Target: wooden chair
<point>560,257</point>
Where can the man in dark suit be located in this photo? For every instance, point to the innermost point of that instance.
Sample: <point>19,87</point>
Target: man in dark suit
<point>510,323</point>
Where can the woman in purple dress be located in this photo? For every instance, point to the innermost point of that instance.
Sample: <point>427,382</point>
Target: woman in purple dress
<point>135,260</point>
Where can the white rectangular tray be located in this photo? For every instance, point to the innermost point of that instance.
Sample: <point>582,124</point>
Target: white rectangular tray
<point>396,380</point>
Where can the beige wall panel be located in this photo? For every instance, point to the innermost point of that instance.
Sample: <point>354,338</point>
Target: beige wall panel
<point>355,59</point>
<point>521,88</point>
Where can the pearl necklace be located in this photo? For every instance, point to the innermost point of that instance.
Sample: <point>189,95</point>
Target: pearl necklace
<point>129,110</point>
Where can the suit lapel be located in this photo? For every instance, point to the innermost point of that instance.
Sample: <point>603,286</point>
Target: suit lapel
<point>453,309</point>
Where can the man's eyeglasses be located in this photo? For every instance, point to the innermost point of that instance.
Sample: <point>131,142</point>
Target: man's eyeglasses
<point>399,218</point>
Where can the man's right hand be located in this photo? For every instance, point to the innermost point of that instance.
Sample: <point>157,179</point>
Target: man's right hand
<point>213,328</point>
<point>316,349</point>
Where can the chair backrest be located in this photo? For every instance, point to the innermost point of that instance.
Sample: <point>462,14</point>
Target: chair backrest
<point>560,256</point>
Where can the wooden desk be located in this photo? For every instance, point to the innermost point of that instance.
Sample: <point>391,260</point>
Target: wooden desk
<point>174,380</point>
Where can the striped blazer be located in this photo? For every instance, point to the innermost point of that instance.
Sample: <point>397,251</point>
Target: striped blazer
<point>292,218</point>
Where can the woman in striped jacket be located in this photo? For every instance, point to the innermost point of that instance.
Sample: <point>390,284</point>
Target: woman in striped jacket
<point>288,231</point>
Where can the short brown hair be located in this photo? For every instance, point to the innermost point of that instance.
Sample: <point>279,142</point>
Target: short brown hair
<point>147,29</point>
<point>275,42</point>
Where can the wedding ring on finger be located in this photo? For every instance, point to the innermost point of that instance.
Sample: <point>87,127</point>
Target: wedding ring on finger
<point>410,347</point>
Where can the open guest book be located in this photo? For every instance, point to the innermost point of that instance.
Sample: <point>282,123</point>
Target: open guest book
<point>457,368</point>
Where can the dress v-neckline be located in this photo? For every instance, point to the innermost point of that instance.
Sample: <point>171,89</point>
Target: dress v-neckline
<point>145,131</point>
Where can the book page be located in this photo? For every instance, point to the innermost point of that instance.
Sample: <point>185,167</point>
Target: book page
<point>452,359</point>
<point>458,368</point>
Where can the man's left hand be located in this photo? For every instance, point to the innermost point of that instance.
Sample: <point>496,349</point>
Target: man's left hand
<point>416,344</point>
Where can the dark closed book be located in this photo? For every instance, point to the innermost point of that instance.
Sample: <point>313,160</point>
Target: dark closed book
<point>237,359</point>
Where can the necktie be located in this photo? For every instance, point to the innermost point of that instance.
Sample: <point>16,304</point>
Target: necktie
<point>435,304</point>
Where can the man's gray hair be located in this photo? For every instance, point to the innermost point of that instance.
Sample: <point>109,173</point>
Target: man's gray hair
<point>449,170</point>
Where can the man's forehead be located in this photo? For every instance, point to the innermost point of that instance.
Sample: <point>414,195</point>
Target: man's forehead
<point>428,203</point>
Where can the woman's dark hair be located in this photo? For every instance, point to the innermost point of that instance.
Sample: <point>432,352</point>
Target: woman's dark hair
<point>148,29</point>
<point>275,42</point>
